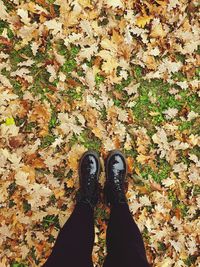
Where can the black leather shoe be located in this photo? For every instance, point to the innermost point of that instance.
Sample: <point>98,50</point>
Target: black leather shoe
<point>115,186</point>
<point>89,170</point>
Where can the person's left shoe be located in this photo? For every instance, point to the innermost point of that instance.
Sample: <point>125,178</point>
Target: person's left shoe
<point>89,170</point>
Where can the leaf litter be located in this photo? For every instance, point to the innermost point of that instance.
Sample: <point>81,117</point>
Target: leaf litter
<point>109,74</point>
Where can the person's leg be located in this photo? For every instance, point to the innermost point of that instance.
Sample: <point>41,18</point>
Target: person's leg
<point>74,244</point>
<point>125,247</point>
<point>73,247</point>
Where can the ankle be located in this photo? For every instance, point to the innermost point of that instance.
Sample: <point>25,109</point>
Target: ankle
<point>81,197</point>
<point>112,196</point>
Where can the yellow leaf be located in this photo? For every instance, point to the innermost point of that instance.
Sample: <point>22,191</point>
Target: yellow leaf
<point>70,183</point>
<point>97,132</point>
<point>143,159</point>
<point>10,121</point>
<point>117,37</point>
<point>142,21</point>
<point>58,193</point>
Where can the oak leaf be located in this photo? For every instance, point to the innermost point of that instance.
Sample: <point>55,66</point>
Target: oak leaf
<point>114,3</point>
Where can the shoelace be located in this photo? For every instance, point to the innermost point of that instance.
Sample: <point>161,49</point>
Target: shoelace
<point>118,184</point>
<point>91,177</point>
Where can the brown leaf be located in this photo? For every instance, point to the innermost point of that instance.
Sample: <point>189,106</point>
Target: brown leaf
<point>16,141</point>
<point>155,186</point>
<point>5,41</point>
<point>117,142</point>
<point>24,108</point>
<point>31,171</point>
<point>42,3</point>
<point>38,163</point>
<point>178,213</point>
<point>72,82</point>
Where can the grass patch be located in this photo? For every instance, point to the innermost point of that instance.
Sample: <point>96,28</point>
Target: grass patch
<point>86,138</point>
<point>51,220</point>
<point>47,141</point>
<point>18,264</point>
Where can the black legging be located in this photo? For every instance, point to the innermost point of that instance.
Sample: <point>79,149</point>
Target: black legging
<point>73,247</point>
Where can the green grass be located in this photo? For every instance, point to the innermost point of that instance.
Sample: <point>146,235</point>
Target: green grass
<point>54,120</point>
<point>9,5</point>
<point>99,79</point>
<point>159,175</point>
<point>29,127</point>
<point>86,138</point>
<point>11,203</point>
<point>73,94</point>
<point>51,220</point>
<point>196,191</point>
<point>185,125</point>
<point>47,141</point>
<point>179,77</point>
<point>161,247</point>
<point>177,203</point>
<point>5,25</point>
<point>138,72</point>
<point>70,56</point>
<point>26,206</point>
<point>101,213</point>
<point>123,84</point>
<point>17,264</point>
<point>69,65</point>
<point>190,260</point>
<point>163,101</point>
<point>51,239</point>
<point>11,189</point>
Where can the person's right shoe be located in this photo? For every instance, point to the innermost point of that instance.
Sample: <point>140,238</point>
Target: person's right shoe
<point>89,170</point>
<point>116,169</point>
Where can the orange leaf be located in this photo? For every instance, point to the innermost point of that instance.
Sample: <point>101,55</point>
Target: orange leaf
<point>38,163</point>
<point>130,162</point>
<point>70,183</point>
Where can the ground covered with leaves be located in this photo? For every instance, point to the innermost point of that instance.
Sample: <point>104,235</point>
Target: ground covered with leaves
<point>82,74</point>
